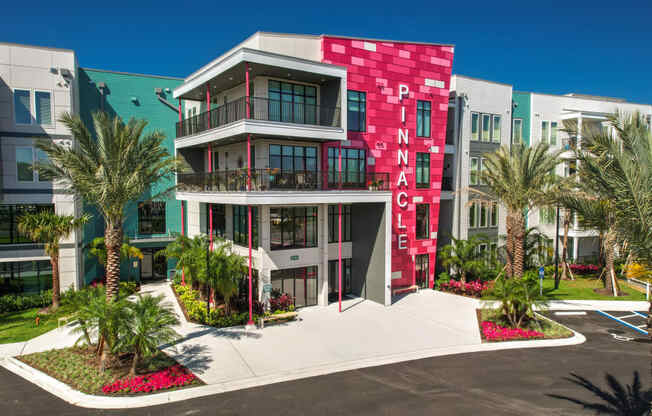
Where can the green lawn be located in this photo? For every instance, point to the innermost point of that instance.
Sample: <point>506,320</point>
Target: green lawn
<point>21,326</point>
<point>582,289</point>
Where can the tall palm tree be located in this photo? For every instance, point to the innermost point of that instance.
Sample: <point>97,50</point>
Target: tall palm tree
<point>463,255</point>
<point>49,228</point>
<point>109,169</point>
<point>519,178</point>
<point>97,248</point>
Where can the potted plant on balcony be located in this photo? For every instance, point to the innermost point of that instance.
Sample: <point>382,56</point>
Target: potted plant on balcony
<point>372,184</point>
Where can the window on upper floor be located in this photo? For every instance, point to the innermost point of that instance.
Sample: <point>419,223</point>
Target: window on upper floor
<point>43,107</point>
<point>549,132</point>
<point>423,170</point>
<point>517,131</point>
<point>22,107</point>
<point>151,217</point>
<point>473,215</point>
<point>241,225</point>
<point>292,103</point>
<point>483,214</point>
<point>357,111</point>
<point>486,128</point>
<point>294,227</point>
<point>423,221</point>
<point>495,128</point>
<point>219,219</point>
<point>28,159</point>
<point>475,126</point>
<point>354,164</point>
<point>288,158</point>
<point>423,118</point>
<point>474,170</point>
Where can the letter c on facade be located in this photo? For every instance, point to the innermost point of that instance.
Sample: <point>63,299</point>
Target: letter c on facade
<point>400,203</point>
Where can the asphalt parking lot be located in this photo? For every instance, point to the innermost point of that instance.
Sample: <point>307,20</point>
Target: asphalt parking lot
<point>512,382</point>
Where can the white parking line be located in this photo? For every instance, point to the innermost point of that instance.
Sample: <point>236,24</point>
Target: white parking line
<point>627,316</point>
<point>570,313</point>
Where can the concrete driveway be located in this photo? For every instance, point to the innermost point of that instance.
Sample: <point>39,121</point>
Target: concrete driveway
<point>324,341</point>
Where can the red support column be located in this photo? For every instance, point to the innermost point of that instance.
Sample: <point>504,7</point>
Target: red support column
<point>183,229</point>
<point>339,231</point>
<point>249,228</point>
<point>208,105</point>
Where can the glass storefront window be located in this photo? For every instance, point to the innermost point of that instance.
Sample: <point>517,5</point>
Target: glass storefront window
<point>299,283</point>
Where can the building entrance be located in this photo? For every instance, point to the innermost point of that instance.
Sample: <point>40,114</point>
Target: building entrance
<point>422,265</point>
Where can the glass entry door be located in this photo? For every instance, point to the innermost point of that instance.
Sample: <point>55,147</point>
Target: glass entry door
<point>299,283</point>
<point>333,280</point>
<point>152,267</point>
<point>422,265</point>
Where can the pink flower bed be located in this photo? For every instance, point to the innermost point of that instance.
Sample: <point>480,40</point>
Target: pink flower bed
<point>495,332</point>
<point>474,288</point>
<point>175,376</point>
<point>583,268</point>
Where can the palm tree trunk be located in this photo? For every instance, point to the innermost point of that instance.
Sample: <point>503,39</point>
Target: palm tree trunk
<point>463,276</point>
<point>56,286</point>
<point>611,284</point>
<point>564,252</point>
<point>509,245</point>
<point>113,242</point>
<point>134,363</point>
<point>518,245</point>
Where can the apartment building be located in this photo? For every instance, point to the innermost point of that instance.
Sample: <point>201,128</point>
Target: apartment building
<point>289,136</point>
<point>479,117</point>
<point>37,85</point>
<point>540,117</point>
<point>151,221</point>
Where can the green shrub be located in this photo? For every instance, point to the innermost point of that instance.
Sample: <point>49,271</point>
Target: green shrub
<point>127,288</point>
<point>14,303</point>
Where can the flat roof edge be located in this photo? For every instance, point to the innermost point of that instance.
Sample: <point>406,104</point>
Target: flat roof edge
<point>452,45</point>
<point>49,48</point>
<point>483,80</point>
<point>131,73</point>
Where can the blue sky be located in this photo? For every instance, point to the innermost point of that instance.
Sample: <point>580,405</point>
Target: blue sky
<point>593,47</point>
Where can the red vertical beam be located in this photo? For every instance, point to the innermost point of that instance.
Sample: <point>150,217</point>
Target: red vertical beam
<point>339,231</point>
<point>249,230</point>
<point>183,229</point>
<point>210,165</point>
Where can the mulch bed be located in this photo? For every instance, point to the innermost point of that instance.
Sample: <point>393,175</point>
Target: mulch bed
<point>79,368</point>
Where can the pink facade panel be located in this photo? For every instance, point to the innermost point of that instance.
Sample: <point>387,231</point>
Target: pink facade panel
<point>394,76</point>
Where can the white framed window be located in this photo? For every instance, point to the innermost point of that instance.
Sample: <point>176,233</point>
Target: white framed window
<point>545,131</point>
<point>22,106</point>
<point>475,126</point>
<point>473,215</point>
<point>473,172</point>
<point>517,131</point>
<point>483,169</point>
<point>495,129</point>
<point>553,133</point>
<point>483,214</point>
<point>43,107</point>
<point>486,128</point>
<point>494,214</point>
<point>482,249</point>
<point>549,132</point>
<point>27,158</point>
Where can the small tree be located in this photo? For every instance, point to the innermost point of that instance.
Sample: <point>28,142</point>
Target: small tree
<point>49,228</point>
<point>463,255</point>
<point>190,254</point>
<point>518,298</point>
<point>226,269</point>
<point>149,325</point>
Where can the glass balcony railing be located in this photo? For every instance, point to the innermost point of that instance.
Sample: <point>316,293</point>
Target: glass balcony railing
<point>277,180</point>
<point>260,109</point>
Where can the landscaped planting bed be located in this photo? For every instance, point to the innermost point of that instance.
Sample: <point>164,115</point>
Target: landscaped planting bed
<point>79,368</point>
<point>194,309</point>
<point>474,289</point>
<point>492,330</point>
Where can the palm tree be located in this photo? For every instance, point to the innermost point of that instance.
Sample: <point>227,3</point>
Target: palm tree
<point>519,179</point>
<point>598,214</point>
<point>149,325</point>
<point>226,269</point>
<point>628,400</point>
<point>463,255</point>
<point>190,254</point>
<point>96,248</point>
<point>49,228</point>
<point>115,167</point>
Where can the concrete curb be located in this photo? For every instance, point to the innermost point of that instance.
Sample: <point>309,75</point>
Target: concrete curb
<point>77,398</point>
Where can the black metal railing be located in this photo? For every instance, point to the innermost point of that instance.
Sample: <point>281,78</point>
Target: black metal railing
<point>260,109</point>
<point>277,180</point>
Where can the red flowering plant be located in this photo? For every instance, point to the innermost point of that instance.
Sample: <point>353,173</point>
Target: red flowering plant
<point>281,302</point>
<point>494,332</point>
<point>475,288</point>
<point>583,268</point>
<point>172,377</point>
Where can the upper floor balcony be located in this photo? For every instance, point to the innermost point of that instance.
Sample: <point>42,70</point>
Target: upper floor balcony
<point>248,91</point>
<point>262,109</point>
